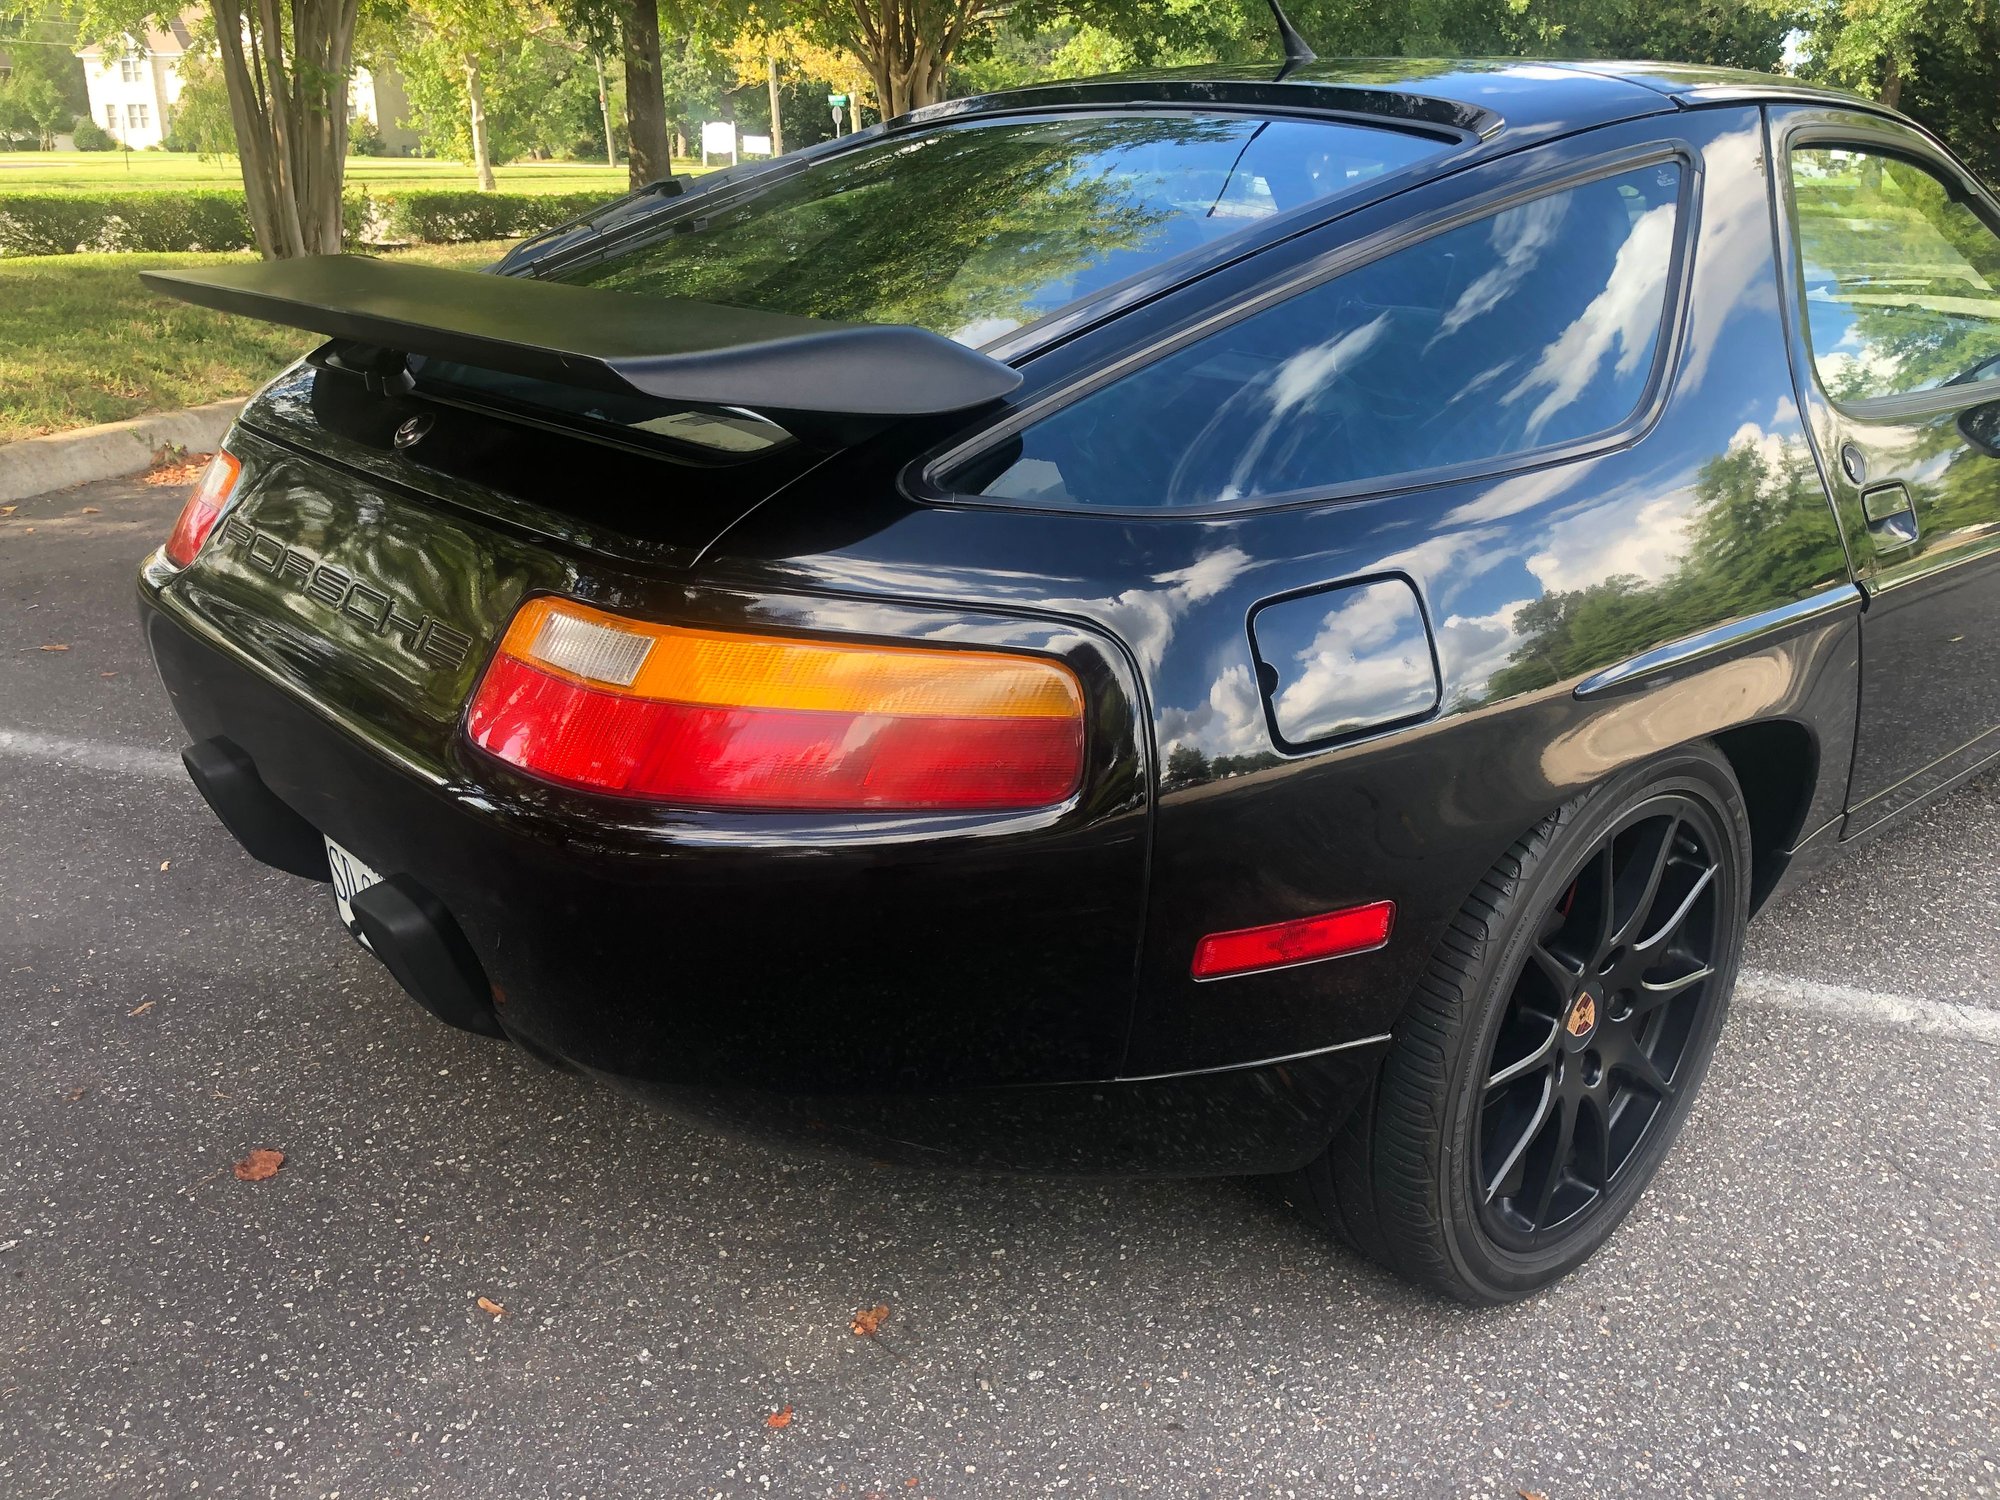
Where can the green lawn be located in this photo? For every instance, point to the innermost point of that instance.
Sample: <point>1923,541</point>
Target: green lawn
<point>173,169</point>
<point>82,342</point>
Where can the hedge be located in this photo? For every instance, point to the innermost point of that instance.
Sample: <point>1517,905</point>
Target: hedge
<point>444,216</point>
<point>64,222</point>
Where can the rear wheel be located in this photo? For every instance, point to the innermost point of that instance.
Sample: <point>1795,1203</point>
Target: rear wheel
<point>1554,1046</point>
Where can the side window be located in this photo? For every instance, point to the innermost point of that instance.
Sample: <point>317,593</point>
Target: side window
<point>1902,277</point>
<point>1535,326</point>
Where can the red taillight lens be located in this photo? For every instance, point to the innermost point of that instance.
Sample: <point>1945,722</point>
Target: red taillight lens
<point>204,508</point>
<point>706,718</point>
<point>1356,929</point>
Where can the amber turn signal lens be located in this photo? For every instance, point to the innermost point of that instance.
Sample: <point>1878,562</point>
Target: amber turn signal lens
<point>204,508</point>
<point>710,718</point>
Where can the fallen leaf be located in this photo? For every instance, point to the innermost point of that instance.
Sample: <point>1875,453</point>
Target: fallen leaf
<point>259,1164</point>
<point>75,1094</point>
<point>868,1322</point>
<point>909,1484</point>
<point>107,674</point>
<point>53,647</point>
<point>779,1418</point>
<point>140,1010</point>
<point>488,1305</point>
<point>90,510</point>
<point>177,467</point>
<point>8,510</point>
<point>164,863</point>
<point>1531,1495</point>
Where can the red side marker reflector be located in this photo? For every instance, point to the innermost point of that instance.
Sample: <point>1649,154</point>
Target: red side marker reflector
<point>1356,929</point>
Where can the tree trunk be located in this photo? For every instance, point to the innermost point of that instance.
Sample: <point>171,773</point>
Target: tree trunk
<point>777,121</point>
<point>604,109</point>
<point>1892,82</point>
<point>645,97</point>
<point>907,47</point>
<point>475,104</point>
<point>289,109</point>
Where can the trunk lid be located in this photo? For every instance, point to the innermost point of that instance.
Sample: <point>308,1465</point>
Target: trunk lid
<point>375,580</point>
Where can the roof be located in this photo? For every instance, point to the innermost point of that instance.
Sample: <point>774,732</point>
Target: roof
<point>1524,98</point>
<point>1696,82</point>
<point>175,39</point>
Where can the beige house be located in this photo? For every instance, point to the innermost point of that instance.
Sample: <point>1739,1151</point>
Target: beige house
<point>134,87</point>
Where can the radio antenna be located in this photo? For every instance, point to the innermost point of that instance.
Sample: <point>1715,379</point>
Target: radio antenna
<point>1297,53</point>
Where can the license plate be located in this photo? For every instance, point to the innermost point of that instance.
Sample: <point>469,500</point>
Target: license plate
<point>350,878</point>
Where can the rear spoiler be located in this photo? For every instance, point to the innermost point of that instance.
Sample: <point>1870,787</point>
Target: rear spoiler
<point>670,348</point>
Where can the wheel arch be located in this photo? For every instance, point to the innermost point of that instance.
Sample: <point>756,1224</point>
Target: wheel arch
<point>1776,763</point>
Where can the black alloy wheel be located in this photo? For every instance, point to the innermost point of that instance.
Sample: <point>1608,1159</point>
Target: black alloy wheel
<point>1586,1058</point>
<point>1554,1045</point>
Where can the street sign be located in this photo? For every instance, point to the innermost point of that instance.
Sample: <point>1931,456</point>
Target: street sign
<point>837,101</point>
<point>718,138</point>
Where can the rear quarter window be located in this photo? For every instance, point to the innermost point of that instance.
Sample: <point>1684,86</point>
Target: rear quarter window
<point>1536,326</point>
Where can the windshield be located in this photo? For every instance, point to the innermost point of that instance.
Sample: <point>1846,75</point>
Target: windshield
<point>973,230</point>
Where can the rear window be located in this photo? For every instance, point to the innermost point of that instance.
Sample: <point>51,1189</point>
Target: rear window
<point>977,229</point>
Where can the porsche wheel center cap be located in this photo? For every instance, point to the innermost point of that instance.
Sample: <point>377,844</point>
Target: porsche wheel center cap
<point>1582,1017</point>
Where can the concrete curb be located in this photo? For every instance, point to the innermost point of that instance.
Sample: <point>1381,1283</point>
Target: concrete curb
<point>34,466</point>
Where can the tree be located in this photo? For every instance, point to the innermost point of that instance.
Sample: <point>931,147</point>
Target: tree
<point>538,97</point>
<point>32,109</point>
<point>630,28</point>
<point>285,64</point>
<point>1939,60</point>
<point>44,91</point>
<point>462,35</point>
<point>202,120</point>
<point>756,54</point>
<point>905,46</point>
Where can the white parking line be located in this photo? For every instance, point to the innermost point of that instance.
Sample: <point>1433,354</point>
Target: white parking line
<point>92,755</point>
<point>1840,1002</point>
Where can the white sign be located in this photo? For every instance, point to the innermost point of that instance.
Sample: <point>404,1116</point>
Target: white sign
<point>718,138</point>
<point>756,145</point>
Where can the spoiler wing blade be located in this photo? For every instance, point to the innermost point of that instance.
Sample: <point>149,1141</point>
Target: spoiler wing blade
<point>671,348</point>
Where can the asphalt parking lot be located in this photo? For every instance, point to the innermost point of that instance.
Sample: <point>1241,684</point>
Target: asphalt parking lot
<point>1807,1303</point>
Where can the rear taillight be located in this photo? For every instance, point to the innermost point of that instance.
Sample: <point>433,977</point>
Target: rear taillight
<point>204,508</point>
<point>707,718</point>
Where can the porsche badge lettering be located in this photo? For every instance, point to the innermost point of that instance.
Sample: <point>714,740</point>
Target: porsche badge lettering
<point>342,592</point>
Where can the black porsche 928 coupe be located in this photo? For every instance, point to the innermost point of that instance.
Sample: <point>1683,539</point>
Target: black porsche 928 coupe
<point>1178,624</point>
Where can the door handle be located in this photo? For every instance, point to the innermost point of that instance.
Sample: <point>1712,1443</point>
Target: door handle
<point>1891,515</point>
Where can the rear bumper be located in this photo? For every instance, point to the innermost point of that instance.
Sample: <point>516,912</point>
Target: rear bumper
<point>945,1001</point>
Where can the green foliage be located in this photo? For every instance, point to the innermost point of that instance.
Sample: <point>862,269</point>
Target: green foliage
<point>201,122</point>
<point>1937,60</point>
<point>364,139</point>
<point>32,111</point>
<point>541,100</point>
<point>45,54</point>
<point>91,136</point>
<point>444,217</point>
<point>62,223</point>
<point>65,223</point>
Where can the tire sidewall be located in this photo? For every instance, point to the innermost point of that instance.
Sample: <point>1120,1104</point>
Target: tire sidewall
<point>1491,1272</point>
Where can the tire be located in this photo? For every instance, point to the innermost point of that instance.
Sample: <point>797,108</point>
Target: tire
<point>1443,1173</point>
